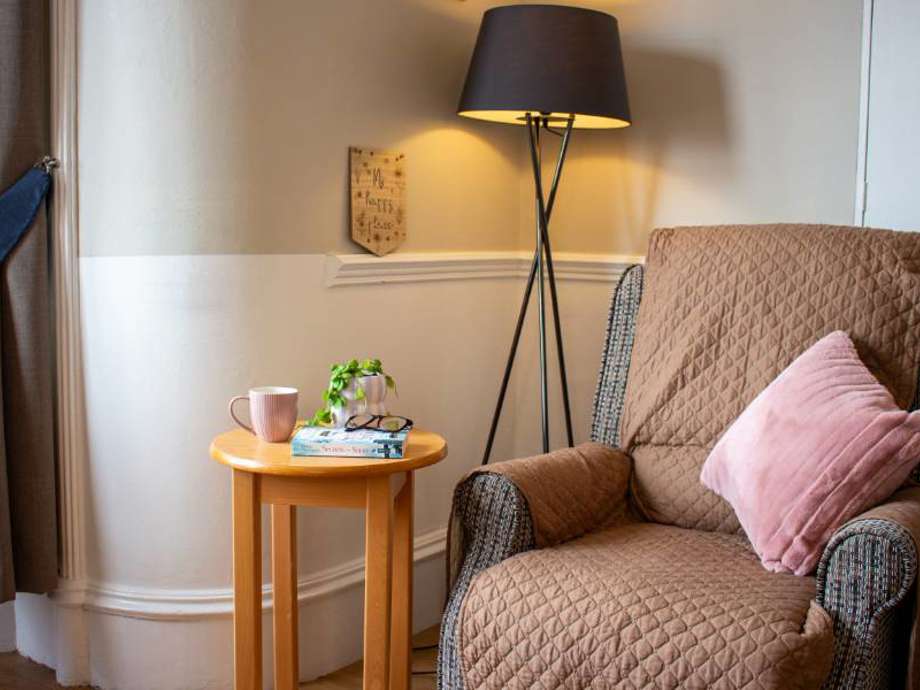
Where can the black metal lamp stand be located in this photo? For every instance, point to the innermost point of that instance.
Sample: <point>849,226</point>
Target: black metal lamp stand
<point>542,261</point>
<point>513,80</point>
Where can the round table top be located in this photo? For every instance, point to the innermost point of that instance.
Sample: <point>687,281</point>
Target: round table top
<point>245,451</point>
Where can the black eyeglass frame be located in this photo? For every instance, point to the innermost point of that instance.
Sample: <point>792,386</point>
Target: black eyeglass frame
<point>373,424</point>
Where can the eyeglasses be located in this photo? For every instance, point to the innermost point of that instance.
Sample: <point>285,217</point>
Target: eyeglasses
<point>378,422</point>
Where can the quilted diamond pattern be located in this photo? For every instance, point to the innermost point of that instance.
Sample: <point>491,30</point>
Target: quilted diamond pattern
<point>724,310</point>
<point>588,489</point>
<point>640,606</point>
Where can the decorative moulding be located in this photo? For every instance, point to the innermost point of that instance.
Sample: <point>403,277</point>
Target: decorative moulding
<point>185,605</point>
<point>364,269</point>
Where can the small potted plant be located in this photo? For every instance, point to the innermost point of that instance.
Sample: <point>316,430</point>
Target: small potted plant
<point>354,387</point>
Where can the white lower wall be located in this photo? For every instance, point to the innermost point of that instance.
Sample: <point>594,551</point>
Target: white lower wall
<point>169,339</point>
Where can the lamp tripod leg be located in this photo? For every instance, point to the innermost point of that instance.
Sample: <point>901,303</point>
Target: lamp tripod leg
<point>554,300</point>
<point>516,338</point>
<point>544,211</point>
<point>536,156</point>
<point>551,200</point>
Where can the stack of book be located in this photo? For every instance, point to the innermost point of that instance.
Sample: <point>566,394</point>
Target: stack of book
<point>364,443</point>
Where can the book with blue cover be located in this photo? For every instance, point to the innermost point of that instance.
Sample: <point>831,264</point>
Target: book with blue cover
<point>363,443</point>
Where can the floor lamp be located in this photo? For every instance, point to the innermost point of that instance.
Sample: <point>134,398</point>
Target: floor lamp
<point>552,69</point>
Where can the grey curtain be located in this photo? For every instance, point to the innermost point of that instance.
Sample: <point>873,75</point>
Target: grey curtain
<point>28,506</point>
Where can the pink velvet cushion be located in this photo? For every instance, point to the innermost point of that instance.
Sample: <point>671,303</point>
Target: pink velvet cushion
<point>819,445</point>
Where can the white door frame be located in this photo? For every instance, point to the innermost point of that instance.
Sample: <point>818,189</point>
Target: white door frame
<point>865,84</point>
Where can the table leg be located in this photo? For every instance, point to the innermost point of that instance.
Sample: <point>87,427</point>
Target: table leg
<point>247,582</point>
<point>401,621</point>
<point>378,553</point>
<point>284,584</point>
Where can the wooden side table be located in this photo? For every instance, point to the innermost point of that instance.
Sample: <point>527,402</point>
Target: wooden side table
<point>268,473</point>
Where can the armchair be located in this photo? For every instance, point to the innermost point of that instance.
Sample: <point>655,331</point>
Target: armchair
<point>606,568</point>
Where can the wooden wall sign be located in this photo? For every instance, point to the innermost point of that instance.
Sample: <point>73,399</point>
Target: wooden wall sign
<point>378,199</point>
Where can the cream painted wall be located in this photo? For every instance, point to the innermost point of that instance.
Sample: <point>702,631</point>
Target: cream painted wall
<point>743,112</point>
<point>222,126</point>
<point>213,139</point>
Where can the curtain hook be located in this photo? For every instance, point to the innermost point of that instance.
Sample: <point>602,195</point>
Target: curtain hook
<point>47,163</point>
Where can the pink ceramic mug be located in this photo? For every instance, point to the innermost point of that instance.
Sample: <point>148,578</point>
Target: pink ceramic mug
<point>273,410</point>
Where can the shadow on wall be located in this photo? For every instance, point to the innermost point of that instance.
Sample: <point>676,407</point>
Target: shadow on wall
<point>376,75</point>
<point>239,117</point>
<point>681,130</point>
<point>462,173</point>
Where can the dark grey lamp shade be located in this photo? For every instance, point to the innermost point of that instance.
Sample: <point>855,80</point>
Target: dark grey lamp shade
<point>547,59</point>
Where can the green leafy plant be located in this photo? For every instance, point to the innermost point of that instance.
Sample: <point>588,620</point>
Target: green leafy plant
<point>340,378</point>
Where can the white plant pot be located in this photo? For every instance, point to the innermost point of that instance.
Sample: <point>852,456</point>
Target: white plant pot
<point>375,392</point>
<point>342,413</point>
<point>352,406</point>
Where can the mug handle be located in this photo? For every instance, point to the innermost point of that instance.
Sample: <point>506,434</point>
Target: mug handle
<point>233,414</point>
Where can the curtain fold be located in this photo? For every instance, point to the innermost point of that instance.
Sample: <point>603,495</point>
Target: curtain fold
<point>28,504</point>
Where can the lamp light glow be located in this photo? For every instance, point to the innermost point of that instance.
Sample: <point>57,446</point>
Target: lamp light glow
<point>519,117</point>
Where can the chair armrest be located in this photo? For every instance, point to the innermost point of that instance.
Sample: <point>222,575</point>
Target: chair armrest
<point>571,491</point>
<point>512,506</point>
<point>489,522</point>
<point>866,573</point>
<point>509,507</point>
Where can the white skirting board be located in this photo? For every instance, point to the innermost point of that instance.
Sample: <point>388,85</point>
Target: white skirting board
<point>184,605</point>
<point>193,649</point>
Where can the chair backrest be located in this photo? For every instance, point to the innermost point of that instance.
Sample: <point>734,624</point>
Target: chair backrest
<point>723,311</point>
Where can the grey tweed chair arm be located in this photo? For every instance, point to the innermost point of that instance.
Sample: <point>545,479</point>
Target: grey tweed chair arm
<point>493,521</point>
<point>866,581</point>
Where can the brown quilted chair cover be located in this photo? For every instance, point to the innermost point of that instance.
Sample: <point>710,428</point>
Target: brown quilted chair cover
<point>608,601</point>
<point>643,606</point>
<point>589,484</point>
<point>724,310</point>
<point>680,601</point>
